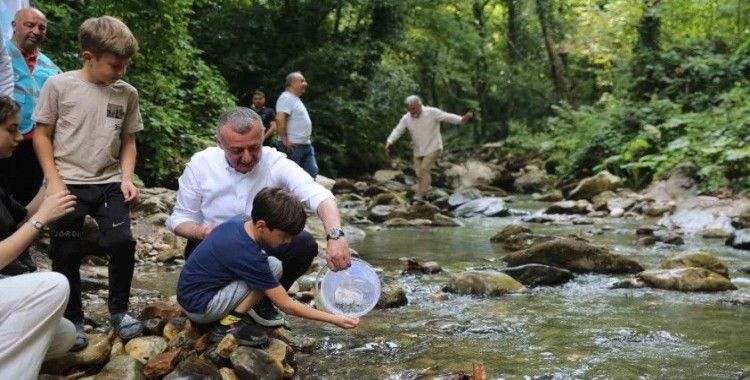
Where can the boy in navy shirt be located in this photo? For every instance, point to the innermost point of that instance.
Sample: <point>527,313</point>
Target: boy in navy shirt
<point>228,272</point>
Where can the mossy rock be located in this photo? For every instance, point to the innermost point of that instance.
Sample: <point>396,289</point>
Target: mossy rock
<point>484,283</point>
<point>573,255</point>
<point>700,259</point>
<point>687,280</point>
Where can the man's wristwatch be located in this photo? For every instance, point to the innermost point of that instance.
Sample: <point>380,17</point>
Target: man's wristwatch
<point>334,233</point>
<point>37,224</point>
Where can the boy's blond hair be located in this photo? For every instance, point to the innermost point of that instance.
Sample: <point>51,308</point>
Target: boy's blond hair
<point>106,34</point>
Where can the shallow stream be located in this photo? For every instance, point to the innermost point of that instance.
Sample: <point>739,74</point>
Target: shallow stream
<point>580,330</point>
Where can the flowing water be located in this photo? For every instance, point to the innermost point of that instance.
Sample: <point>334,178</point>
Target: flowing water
<point>579,330</point>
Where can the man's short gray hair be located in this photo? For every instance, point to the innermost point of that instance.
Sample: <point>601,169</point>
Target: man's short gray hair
<point>291,77</point>
<point>412,99</point>
<point>240,119</point>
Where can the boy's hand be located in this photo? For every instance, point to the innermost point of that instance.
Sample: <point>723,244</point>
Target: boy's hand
<point>346,322</point>
<point>337,254</point>
<point>129,191</point>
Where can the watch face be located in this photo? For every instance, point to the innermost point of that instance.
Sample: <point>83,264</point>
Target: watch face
<point>335,233</point>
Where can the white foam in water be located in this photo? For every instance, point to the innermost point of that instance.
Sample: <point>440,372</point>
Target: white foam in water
<point>349,297</point>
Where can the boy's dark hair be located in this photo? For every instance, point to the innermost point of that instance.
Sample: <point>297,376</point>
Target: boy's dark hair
<point>8,108</point>
<point>259,92</point>
<point>279,209</point>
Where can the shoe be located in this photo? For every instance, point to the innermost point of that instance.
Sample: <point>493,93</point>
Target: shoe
<point>247,332</point>
<point>82,339</point>
<point>126,326</point>
<point>266,314</point>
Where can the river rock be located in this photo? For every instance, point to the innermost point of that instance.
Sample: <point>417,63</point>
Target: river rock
<point>599,201</point>
<point>574,255</point>
<point>508,231</point>
<point>440,220</point>
<point>589,187</point>
<point>554,195</point>
<point>391,296</point>
<point>252,363</point>
<point>687,280</point>
<point>344,186</point>
<point>579,207</point>
<point>739,300</point>
<point>414,266</point>
<point>122,367</point>
<point>484,283</point>
<point>740,239</point>
<point>396,222</point>
<point>531,179</point>
<point>381,213</point>
<point>702,213</point>
<point>387,175</point>
<point>539,275</point>
<point>464,196</point>
<point>631,283</point>
<point>145,348</point>
<point>162,364</point>
<point>163,310</point>
<point>228,374</point>
<point>387,198</point>
<point>421,211</point>
<point>282,355</point>
<point>194,367</point>
<point>490,206</point>
<point>700,259</point>
<point>680,184</point>
<point>470,173</point>
<point>525,240</point>
<point>95,354</point>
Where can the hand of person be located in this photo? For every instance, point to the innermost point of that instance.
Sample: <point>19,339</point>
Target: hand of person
<point>206,230</point>
<point>129,191</point>
<point>346,322</point>
<point>337,254</point>
<point>55,206</point>
<point>288,145</point>
<point>467,116</point>
<point>387,148</point>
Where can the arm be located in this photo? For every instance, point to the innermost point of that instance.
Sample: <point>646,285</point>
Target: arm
<point>337,250</point>
<point>6,71</point>
<point>282,300</point>
<point>43,148</point>
<point>395,134</point>
<point>281,121</point>
<point>127,165</point>
<point>270,130</point>
<point>452,118</point>
<point>35,203</point>
<point>52,208</point>
<point>186,215</point>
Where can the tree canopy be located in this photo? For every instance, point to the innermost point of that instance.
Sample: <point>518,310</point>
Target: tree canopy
<point>632,86</point>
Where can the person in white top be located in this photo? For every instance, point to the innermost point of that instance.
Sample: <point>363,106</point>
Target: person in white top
<point>221,182</point>
<point>423,123</point>
<point>294,125</point>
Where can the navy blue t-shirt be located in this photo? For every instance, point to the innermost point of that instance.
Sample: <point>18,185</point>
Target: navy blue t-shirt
<point>228,254</point>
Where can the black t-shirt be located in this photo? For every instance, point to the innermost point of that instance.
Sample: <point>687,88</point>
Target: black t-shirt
<point>11,213</point>
<point>267,114</point>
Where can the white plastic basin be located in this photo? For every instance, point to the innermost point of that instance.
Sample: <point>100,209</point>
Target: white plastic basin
<point>352,292</point>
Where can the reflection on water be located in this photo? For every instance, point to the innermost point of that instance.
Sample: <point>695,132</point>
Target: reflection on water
<point>579,330</point>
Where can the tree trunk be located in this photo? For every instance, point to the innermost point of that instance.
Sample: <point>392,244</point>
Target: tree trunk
<point>556,65</point>
<point>480,70</point>
<point>512,39</point>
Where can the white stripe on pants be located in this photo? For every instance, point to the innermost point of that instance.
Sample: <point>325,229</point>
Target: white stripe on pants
<point>31,325</point>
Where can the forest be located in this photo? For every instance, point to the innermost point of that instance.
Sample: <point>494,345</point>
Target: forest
<point>632,86</point>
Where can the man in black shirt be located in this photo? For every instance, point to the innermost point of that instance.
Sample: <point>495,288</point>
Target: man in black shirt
<point>268,115</point>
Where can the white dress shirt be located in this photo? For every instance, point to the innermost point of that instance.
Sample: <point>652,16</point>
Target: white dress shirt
<point>424,130</point>
<point>211,191</point>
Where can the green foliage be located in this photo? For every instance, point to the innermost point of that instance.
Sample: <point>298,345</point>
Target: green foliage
<point>180,95</point>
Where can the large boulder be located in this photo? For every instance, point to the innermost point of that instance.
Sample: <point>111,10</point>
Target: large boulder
<point>392,297</point>
<point>484,283</point>
<point>591,186</point>
<point>686,280</point>
<point>579,207</point>
<point>525,240</point>
<point>703,213</point>
<point>388,175</point>
<point>574,255</point>
<point>470,174</point>
<point>464,196</point>
<point>531,179</point>
<point>539,275</point>
<point>490,206</point>
<point>252,363</point>
<point>700,259</point>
